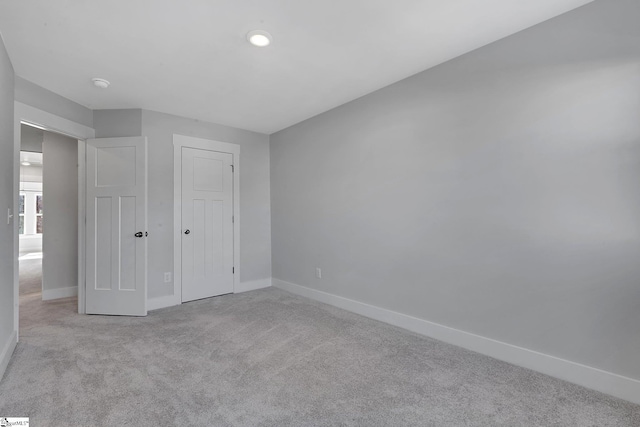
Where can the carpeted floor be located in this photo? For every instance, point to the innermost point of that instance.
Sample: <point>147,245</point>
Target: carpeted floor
<point>30,273</point>
<point>269,358</point>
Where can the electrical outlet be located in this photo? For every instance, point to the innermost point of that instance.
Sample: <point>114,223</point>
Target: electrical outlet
<point>318,272</point>
<point>167,277</point>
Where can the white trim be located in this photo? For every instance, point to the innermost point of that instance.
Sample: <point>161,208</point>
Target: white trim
<point>50,122</point>
<point>16,203</point>
<point>171,300</point>
<point>253,285</point>
<point>28,186</point>
<point>7,351</point>
<point>82,208</point>
<point>162,302</point>
<point>180,141</point>
<point>49,294</point>
<point>586,376</point>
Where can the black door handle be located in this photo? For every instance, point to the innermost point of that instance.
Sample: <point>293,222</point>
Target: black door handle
<point>139,234</point>
<point>187,231</point>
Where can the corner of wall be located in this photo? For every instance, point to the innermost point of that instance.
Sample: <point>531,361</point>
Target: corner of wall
<point>7,352</point>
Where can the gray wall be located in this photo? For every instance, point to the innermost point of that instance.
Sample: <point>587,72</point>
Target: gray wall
<point>43,99</point>
<point>117,123</point>
<point>60,207</point>
<point>7,256</point>
<point>31,139</point>
<point>497,193</point>
<point>255,225</point>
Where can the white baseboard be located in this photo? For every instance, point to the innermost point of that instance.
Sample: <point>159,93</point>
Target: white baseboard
<point>7,351</point>
<point>586,376</point>
<point>253,285</point>
<point>49,294</point>
<point>171,300</point>
<point>162,302</point>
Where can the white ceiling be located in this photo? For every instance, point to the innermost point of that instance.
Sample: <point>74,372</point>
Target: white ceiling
<point>191,58</point>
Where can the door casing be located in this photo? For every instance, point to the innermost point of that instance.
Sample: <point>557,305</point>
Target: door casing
<point>52,123</point>
<point>180,141</point>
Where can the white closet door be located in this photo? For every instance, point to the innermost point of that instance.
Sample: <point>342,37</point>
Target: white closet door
<point>207,223</point>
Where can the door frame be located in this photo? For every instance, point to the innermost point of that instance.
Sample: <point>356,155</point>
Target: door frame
<point>180,141</point>
<point>52,123</point>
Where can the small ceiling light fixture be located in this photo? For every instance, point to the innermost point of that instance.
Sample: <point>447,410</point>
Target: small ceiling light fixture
<point>259,38</point>
<point>25,163</point>
<point>101,83</point>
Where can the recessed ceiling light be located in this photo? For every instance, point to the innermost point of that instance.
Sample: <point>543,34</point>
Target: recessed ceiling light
<point>259,38</point>
<point>101,83</point>
<point>25,163</point>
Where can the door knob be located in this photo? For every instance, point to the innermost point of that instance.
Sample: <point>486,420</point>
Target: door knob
<point>187,231</point>
<point>139,234</point>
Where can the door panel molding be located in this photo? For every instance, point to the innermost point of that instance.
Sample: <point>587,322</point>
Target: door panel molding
<point>207,213</point>
<point>180,141</point>
<point>116,224</point>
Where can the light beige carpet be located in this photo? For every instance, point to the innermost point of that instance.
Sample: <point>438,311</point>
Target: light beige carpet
<point>268,358</point>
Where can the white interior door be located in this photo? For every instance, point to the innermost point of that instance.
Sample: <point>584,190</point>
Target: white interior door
<point>207,223</point>
<point>116,262</point>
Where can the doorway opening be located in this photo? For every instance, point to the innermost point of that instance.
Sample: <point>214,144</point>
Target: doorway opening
<point>47,244</point>
<point>30,214</point>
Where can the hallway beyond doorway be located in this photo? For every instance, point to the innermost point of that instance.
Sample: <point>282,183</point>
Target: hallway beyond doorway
<point>32,308</point>
<point>30,273</point>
